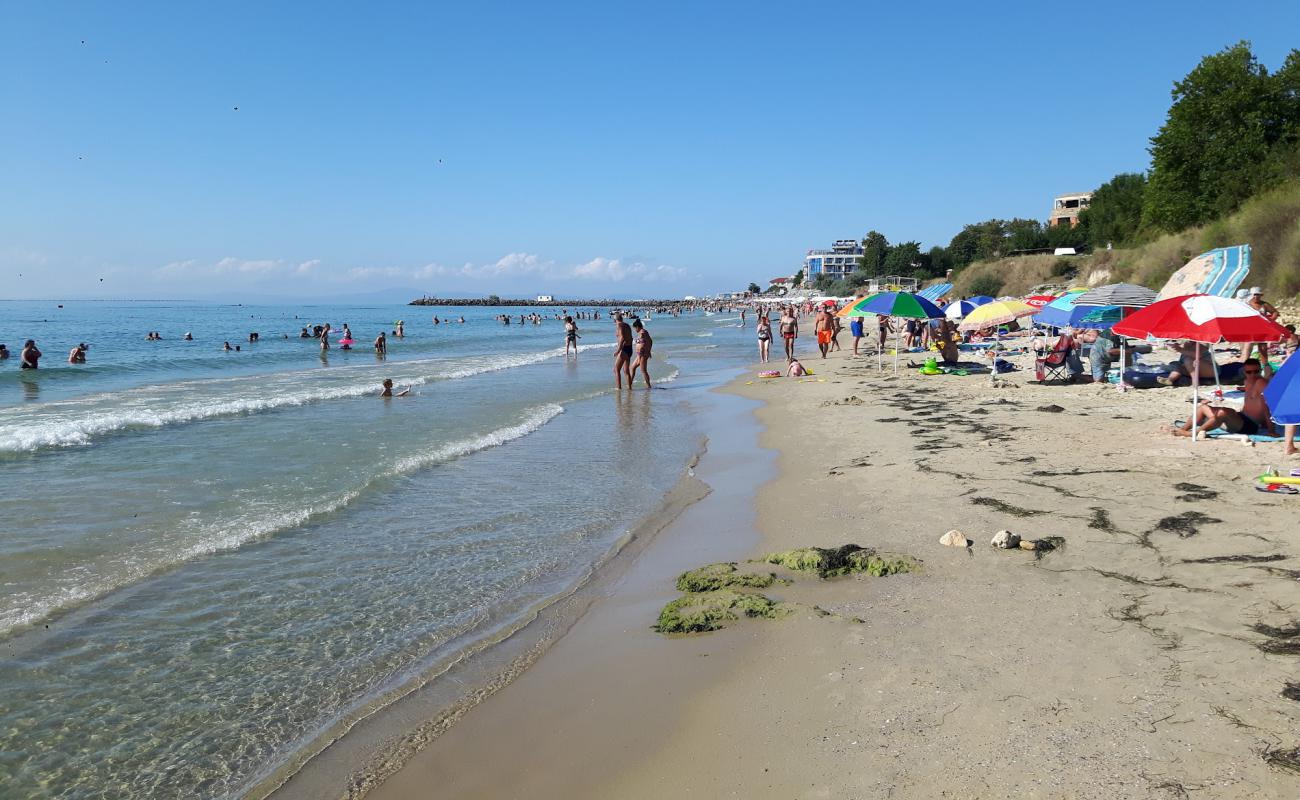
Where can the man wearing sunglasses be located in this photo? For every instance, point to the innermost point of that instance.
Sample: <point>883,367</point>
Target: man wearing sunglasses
<point>1254,416</point>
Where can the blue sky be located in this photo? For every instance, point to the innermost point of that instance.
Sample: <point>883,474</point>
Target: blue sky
<point>579,149</point>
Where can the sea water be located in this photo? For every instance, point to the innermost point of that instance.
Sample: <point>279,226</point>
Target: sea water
<point>209,558</point>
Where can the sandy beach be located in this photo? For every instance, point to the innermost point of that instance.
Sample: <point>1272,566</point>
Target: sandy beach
<point>1145,657</point>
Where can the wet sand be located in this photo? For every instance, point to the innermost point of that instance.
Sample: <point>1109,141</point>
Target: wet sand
<point>1147,657</point>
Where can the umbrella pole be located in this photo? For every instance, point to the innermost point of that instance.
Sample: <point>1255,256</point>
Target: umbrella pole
<point>1123,363</point>
<point>1196,389</point>
<point>897,341</point>
<point>880,348</point>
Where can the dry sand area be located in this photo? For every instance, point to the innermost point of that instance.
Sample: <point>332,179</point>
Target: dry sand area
<point>1156,653</point>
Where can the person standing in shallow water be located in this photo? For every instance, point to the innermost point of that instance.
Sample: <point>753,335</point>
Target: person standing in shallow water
<point>570,335</point>
<point>381,344</point>
<point>622,351</point>
<point>30,357</point>
<point>642,345</point>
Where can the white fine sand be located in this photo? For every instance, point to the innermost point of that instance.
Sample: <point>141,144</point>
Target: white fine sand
<point>1116,667</point>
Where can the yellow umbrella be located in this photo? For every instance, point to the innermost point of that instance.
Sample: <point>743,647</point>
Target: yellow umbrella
<point>999,312</point>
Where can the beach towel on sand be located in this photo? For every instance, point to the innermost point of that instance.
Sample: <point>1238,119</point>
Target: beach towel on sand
<point>1220,433</point>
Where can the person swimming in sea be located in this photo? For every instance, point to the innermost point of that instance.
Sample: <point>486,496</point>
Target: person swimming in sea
<point>227,346</point>
<point>78,354</point>
<point>388,389</point>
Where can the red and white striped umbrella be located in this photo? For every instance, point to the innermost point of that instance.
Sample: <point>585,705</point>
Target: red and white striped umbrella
<point>1201,318</point>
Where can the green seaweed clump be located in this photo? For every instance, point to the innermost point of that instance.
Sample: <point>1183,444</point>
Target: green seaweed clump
<point>697,612</point>
<point>721,576</point>
<point>831,562</point>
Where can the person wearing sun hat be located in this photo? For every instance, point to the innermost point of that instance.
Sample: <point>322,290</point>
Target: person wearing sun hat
<point>1258,303</point>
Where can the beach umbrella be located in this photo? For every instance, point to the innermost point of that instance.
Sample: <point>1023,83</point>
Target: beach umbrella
<point>1061,312</point>
<point>998,312</point>
<point>1203,318</point>
<point>981,299</point>
<point>1124,295</point>
<point>851,308</point>
<point>898,304</point>
<point>1039,300</point>
<point>1118,294</point>
<point>958,309</point>
<point>1283,393</point>
<point>1100,317</point>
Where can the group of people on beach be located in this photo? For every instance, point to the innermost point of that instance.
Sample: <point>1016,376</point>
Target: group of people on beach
<point>1103,350</point>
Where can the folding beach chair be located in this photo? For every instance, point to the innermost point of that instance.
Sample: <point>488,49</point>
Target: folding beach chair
<point>1051,365</point>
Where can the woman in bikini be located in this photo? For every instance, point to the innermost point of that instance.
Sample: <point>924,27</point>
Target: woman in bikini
<point>641,345</point>
<point>570,335</point>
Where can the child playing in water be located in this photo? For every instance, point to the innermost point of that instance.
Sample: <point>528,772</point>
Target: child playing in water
<point>388,389</point>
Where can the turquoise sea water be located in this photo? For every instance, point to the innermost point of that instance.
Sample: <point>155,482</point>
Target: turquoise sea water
<point>209,558</point>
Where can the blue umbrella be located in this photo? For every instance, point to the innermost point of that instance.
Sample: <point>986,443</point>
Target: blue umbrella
<point>959,308</point>
<point>1283,393</point>
<point>1061,312</point>
<point>980,299</point>
<point>1099,317</point>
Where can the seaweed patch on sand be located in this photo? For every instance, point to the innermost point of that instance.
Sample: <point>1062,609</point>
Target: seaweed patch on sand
<point>718,594</point>
<point>846,560</point>
<point>713,577</point>
<point>697,612</point>
<point>1186,524</point>
<point>1006,508</point>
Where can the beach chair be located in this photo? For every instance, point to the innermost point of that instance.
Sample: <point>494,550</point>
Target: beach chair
<point>1051,364</point>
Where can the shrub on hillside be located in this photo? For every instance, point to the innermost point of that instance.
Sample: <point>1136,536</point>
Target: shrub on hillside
<point>990,285</point>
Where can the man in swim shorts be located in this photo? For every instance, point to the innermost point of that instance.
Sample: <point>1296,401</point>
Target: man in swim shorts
<point>1254,416</point>
<point>855,329</point>
<point>622,351</point>
<point>825,327</point>
<point>789,326</point>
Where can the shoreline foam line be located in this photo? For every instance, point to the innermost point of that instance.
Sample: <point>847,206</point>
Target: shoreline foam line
<point>70,426</point>
<point>28,611</point>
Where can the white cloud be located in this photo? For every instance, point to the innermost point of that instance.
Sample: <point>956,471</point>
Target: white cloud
<point>241,265</point>
<point>515,265</point>
<point>194,268</point>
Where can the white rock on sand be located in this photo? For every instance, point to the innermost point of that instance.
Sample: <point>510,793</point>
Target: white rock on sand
<point>954,539</point>
<point>1005,540</point>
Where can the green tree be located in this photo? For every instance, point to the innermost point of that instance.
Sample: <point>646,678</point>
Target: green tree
<point>1115,214</point>
<point>798,279</point>
<point>1067,236</point>
<point>979,241</point>
<point>1229,124</point>
<point>1025,234</point>
<point>940,261</point>
<point>875,248</point>
<point>754,288</point>
<point>902,259</point>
